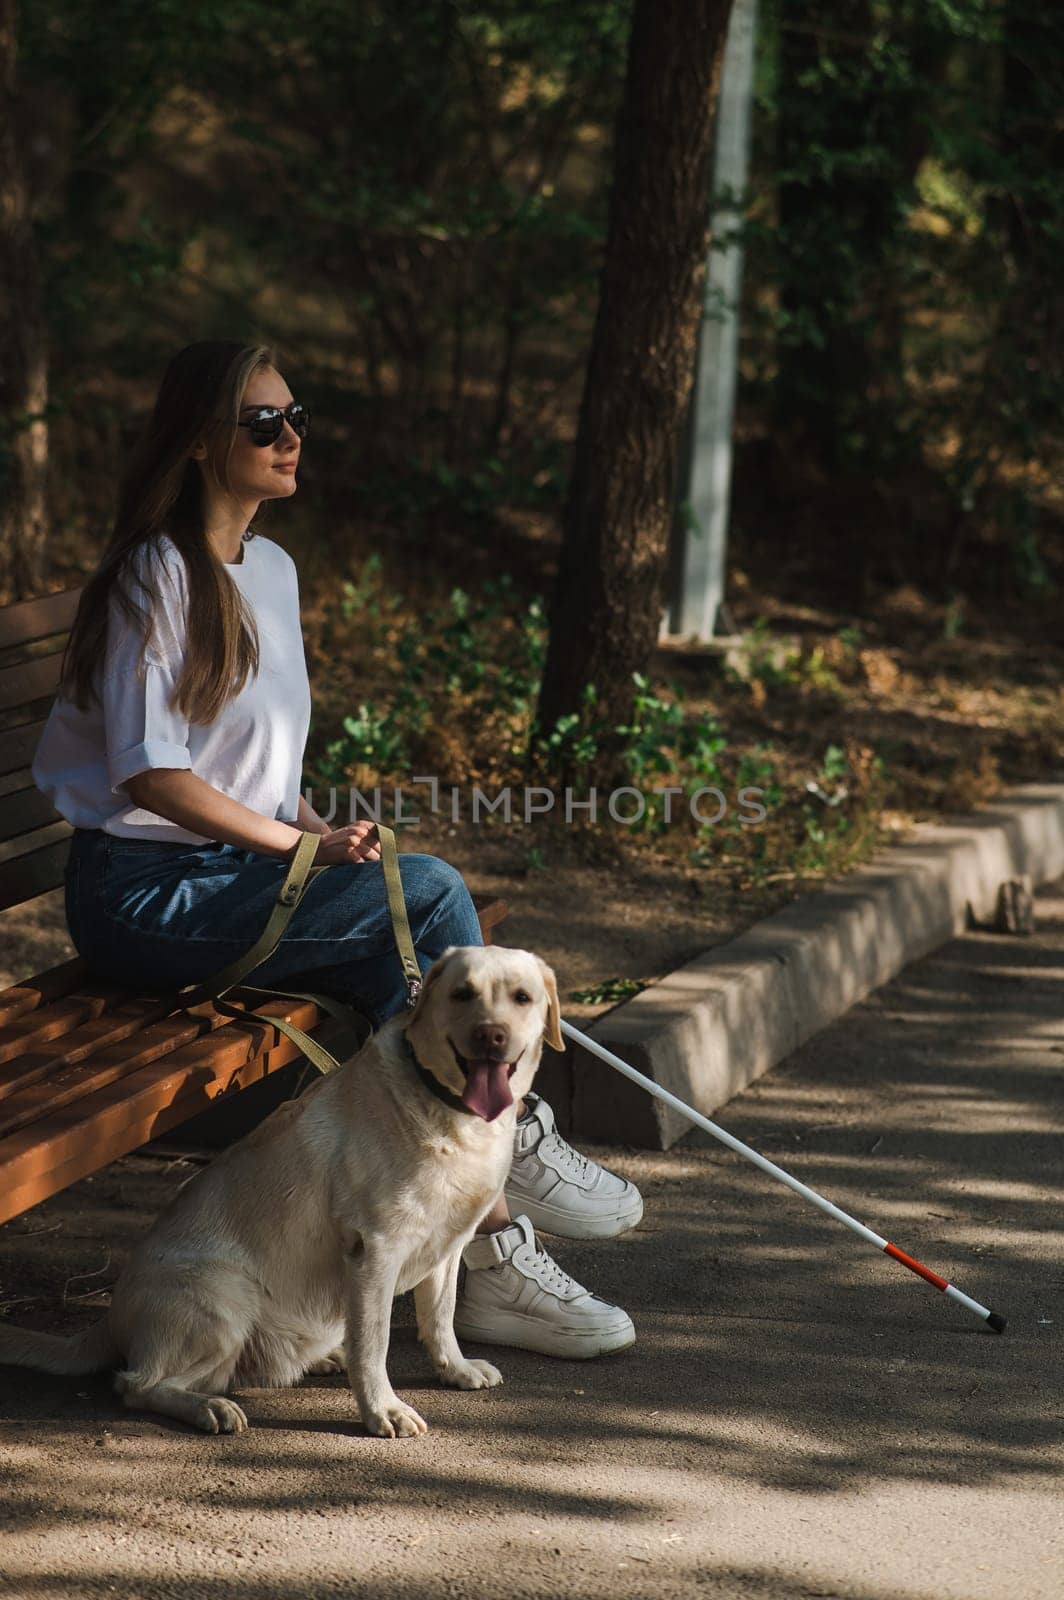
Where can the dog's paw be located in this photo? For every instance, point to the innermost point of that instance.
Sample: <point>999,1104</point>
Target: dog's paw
<point>218,1415</point>
<point>328,1365</point>
<point>471,1374</point>
<point>395,1420</point>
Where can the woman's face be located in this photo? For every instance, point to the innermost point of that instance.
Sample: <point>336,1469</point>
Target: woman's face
<point>264,472</point>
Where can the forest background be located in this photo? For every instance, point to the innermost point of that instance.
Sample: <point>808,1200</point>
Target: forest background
<point>409,201</point>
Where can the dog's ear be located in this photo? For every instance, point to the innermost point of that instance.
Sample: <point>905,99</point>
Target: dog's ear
<point>553,1034</point>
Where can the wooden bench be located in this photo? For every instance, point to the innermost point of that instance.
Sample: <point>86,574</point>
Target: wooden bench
<point>85,1074</point>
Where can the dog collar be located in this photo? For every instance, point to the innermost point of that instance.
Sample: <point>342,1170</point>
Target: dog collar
<point>433,1084</point>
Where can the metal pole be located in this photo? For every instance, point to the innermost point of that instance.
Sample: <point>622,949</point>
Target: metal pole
<point>700,534</point>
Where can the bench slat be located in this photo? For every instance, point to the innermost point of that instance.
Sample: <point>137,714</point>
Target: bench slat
<point>28,681</point>
<point>61,1018</point>
<point>31,1099</point>
<point>40,1160</point>
<point>18,746</point>
<point>24,810</point>
<point>490,912</point>
<point>203,1058</point>
<point>29,993</point>
<point>30,620</point>
<point>116,1030</point>
<point>82,1033</point>
<point>37,872</point>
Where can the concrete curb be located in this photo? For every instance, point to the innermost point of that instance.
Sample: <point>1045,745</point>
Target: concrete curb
<point>711,1027</point>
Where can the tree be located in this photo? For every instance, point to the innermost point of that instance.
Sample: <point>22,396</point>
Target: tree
<point>606,607</point>
<point>23,350</point>
<point>1012,436</point>
<point>399,167</point>
<point>858,89</point>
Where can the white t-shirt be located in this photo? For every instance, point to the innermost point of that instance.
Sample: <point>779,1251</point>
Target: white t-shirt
<point>253,751</point>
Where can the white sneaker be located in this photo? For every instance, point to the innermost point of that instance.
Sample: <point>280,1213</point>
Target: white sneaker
<point>515,1294</point>
<point>562,1191</point>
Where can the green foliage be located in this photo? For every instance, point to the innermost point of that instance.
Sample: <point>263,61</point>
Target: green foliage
<point>419,491</point>
<point>666,742</point>
<point>663,744</point>
<point>473,663</point>
<point>610,991</point>
<point>473,666</point>
<point>410,200</point>
<point>907,218</point>
<point>575,738</point>
<point>777,662</point>
<point>831,831</point>
<point>391,192</point>
<point>809,834</point>
<point>953,620</point>
<point>732,839</point>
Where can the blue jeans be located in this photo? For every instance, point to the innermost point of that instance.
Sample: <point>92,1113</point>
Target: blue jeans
<point>159,916</point>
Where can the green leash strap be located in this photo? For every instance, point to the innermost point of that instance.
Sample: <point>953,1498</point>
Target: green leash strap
<point>397,906</point>
<point>315,1052</point>
<point>300,875</point>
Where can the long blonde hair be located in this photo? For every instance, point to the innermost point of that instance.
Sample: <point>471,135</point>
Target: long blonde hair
<point>162,492</point>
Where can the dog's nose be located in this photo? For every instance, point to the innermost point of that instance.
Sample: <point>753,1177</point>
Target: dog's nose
<point>491,1036</point>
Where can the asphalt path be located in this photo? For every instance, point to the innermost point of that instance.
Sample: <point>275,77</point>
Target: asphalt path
<point>800,1416</point>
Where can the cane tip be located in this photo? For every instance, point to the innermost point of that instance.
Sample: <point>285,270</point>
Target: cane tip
<point>996,1323</point>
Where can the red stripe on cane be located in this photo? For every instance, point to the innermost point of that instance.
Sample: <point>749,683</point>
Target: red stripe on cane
<point>915,1266</point>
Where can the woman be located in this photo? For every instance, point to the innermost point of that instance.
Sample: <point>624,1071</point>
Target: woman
<point>175,750</point>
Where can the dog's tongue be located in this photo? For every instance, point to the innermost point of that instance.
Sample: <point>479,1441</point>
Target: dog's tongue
<point>487,1089</point>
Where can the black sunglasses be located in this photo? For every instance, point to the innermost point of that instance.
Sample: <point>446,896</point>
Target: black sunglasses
<point>267,424</point>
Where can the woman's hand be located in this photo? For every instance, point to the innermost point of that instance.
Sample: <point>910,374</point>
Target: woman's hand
<point>356,842</point>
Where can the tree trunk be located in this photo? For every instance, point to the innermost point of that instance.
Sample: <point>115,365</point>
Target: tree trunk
<point>23,352</point>
<point>606,609</point>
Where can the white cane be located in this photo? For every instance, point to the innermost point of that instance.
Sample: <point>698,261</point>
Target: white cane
<point>991,1318</point>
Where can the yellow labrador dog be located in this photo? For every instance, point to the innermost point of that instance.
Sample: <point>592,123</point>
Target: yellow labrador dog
<point>284,1256</point>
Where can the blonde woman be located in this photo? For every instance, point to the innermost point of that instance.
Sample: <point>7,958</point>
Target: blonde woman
<point>175,750</point>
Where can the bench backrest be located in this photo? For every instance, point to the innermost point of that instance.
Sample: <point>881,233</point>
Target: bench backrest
<point>34,838</point>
